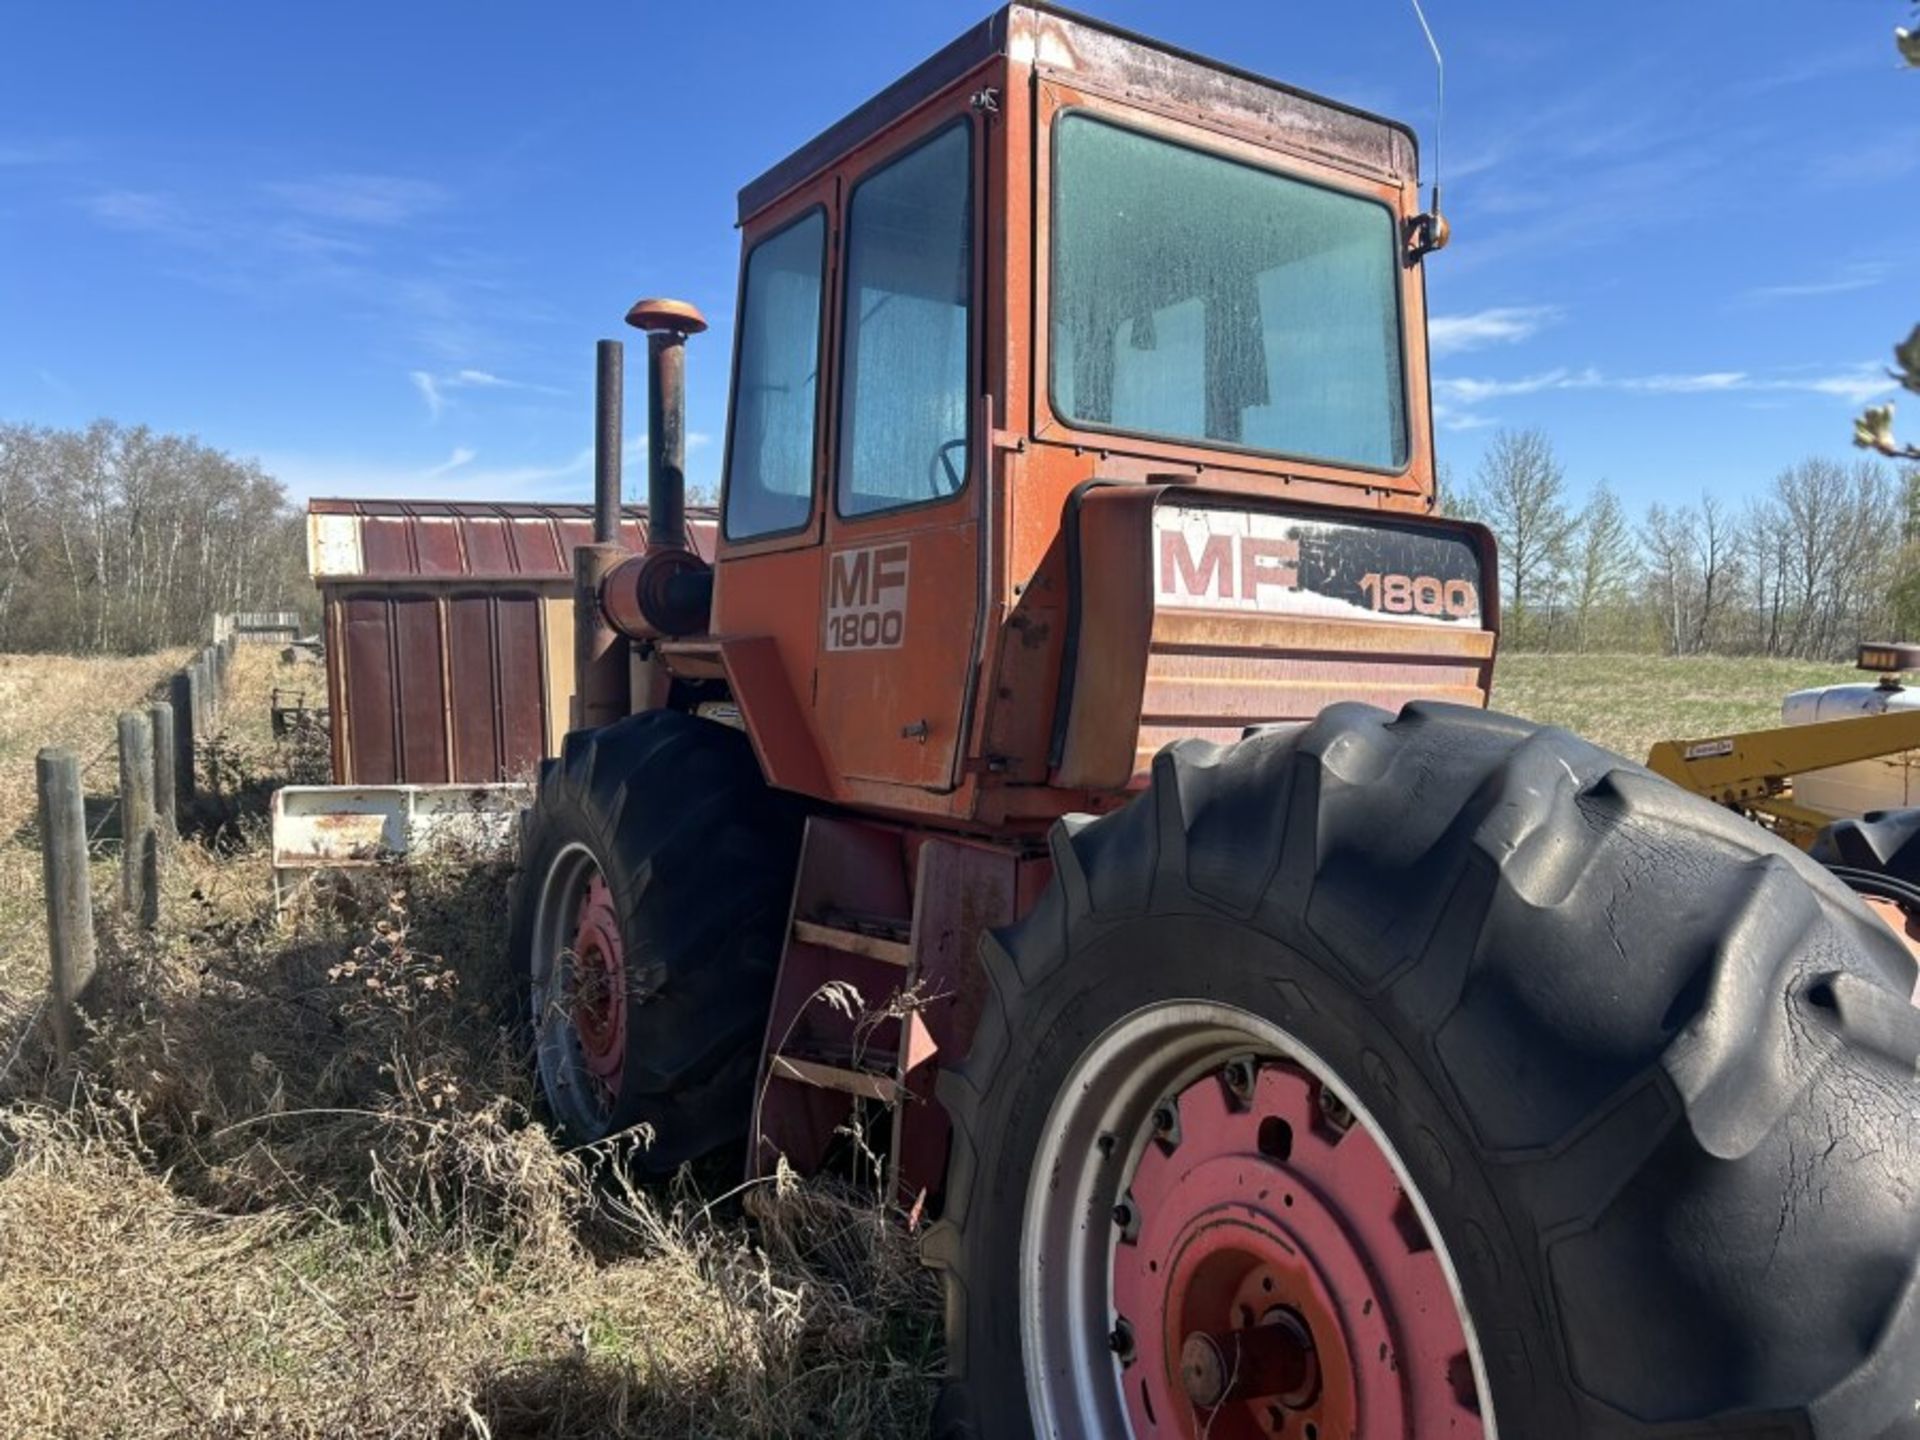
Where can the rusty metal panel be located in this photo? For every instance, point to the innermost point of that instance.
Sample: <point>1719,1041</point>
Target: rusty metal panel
<point>520,670</point>
<point>494,665</point>
<point>385,547</point>
<point>488,546</point>
<point>536,549</point>
<point>436,544</point>
<point>391,689</point>
<point>367,698</point>
<point>438,688</point>
<point>474,670</point>
<point>419,660</point>
<point>401,540</point>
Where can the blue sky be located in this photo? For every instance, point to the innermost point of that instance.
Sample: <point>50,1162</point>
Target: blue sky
<point>373,244</point>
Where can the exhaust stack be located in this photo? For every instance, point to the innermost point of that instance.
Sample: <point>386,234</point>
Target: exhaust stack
<point>608,402</point>
<point>668,323</point>
<point>601,689</point>
<point>669,589</point>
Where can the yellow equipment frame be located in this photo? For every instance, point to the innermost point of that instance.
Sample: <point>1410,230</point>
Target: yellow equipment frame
<point>1753,771</point>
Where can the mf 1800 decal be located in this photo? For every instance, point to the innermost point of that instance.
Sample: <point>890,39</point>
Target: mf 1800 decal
<point>1219,559</point>
<point>867,597</point>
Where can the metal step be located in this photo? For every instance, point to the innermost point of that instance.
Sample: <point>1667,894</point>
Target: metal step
<point>861,1083</point>
<point>854,942</point>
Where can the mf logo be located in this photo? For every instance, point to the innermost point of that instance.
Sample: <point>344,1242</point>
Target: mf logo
<point>867,597</point>
<point>1229,567</point>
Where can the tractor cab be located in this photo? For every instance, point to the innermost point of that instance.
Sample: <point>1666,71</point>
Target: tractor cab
<point>1079,402</point>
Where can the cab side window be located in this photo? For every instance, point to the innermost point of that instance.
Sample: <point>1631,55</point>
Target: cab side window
<point>770,451</point>
<point>903,405</point>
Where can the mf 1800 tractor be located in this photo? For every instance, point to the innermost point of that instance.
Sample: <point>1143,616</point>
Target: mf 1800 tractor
<point>1066,765</point>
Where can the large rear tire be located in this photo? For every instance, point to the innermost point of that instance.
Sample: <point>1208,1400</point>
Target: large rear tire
<point>1528,1094</point>
<point>647,921</point>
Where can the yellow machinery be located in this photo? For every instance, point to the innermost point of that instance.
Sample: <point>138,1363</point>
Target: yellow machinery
<point>1754,772</point>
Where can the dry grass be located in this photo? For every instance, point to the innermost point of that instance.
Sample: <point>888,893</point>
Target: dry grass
<point>53,700</point>
<point>293,1188</point>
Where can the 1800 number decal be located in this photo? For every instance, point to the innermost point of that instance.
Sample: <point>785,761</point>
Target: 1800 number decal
<point>1422,595</point>
<point>867,597</point>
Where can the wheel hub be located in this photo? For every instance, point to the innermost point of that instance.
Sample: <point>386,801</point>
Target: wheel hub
<point>599,988</point>
<point>1275,1278</point>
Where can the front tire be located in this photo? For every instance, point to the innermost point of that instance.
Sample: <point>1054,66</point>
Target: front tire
<point>1527,1093</point>
<point>647,922</point>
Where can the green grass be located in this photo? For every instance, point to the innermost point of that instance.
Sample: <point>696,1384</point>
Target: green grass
<point>1627,702</point>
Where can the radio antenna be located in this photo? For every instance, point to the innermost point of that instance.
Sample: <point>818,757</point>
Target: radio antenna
<point>1439,98</point>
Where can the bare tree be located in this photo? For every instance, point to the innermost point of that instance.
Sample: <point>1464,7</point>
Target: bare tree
<point>1715,561</point>
<point>114,539</point>
<point>1602,564</point>
<point>1520,494</point>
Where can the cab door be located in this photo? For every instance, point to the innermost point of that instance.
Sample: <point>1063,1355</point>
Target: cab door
<point>900,587</point>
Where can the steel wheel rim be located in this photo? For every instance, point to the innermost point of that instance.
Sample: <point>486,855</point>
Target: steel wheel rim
<point>580,1064</point>
<point>1085,1371</point>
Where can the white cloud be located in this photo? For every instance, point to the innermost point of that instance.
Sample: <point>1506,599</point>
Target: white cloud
<point>434,388</point>
<point>429,389</point>
<point>1859,384</point>
<point>1862,276</point>
<point>137,210</point>
<point>1501,325</point>
<point>1703,384</point>
<point>1449,418</point>
<point>350,199</point>
<point>462,455</point>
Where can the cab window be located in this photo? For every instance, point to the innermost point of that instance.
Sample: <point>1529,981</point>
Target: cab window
<point>770,451</point>
<point>903,406</point>
<point>1209,301</point>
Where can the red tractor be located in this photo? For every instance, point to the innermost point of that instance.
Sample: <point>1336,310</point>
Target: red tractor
<point>1070,759</point>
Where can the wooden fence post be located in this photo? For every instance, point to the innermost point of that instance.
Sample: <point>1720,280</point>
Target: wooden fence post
<point>63,849</point>
<point>202,696</point>
<point>210,658</point>
<point>185,703</point>
<point>166,788</point>
<point>139,847</point>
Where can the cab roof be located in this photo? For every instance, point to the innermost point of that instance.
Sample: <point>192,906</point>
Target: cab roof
<point>1107,57</point>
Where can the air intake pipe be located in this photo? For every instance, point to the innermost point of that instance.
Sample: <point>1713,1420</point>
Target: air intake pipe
<point>669,589</point>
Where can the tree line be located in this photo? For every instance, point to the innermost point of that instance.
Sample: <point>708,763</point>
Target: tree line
<point>120,539</point>
<point>1827,556</point>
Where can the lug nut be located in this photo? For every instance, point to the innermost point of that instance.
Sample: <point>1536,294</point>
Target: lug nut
<point>1335,1112</point>
<point>1240,1075</point>
<point>1120,1341</point>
